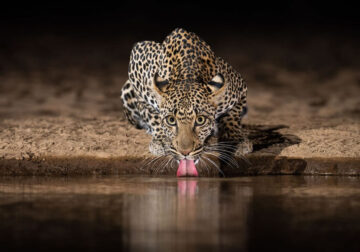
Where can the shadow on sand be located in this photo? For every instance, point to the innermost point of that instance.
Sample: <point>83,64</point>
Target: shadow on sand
<point>267,144</point>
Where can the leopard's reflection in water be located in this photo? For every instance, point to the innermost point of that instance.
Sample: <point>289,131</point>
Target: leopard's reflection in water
<point>193,213</point>
<point>187,188</point>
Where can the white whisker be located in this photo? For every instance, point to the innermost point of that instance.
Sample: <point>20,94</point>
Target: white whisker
<point>207,168</point>
<point>228,160</point>
<point>160,167</point>
<point>212,162</point>
<point>154,160</point>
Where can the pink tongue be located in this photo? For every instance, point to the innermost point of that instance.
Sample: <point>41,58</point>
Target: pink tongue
<point>187,168</point>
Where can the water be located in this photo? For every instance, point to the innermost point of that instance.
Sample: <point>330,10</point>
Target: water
<point>283,213</point>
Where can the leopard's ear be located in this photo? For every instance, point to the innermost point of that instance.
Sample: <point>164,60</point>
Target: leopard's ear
<point>160,84</point>
<point>217,87</point>
<point>217,84</point>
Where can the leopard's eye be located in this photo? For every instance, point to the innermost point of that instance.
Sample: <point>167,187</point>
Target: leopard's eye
<point>170,120</point>
<point>200,120</point>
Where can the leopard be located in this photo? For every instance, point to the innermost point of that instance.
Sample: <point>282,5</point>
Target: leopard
<point>184,96</point>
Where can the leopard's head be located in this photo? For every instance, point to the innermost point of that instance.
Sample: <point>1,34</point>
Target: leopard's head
<point>188,113</point>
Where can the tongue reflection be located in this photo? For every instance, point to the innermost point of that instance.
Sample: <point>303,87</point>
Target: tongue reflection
<point>187,168</point>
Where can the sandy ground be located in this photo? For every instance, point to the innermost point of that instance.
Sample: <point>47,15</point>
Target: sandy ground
<point>60,111</point>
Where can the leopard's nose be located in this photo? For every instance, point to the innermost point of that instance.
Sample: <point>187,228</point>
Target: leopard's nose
<point>185,152</point>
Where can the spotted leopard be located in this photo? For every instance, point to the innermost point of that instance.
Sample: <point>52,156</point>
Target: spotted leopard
<point>183,95</point>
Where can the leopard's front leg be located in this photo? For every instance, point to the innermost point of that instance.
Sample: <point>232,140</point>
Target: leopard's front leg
<point>143,116</point>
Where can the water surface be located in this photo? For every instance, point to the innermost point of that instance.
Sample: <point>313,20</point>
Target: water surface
<point>283,213</point>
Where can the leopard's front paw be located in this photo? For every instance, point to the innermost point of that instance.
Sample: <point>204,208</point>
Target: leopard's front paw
<point>156,148</point>
<point>243,148</point>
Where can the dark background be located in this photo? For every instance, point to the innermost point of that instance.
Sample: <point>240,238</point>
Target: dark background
<point>280,32</point>
<point>200,16</point>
